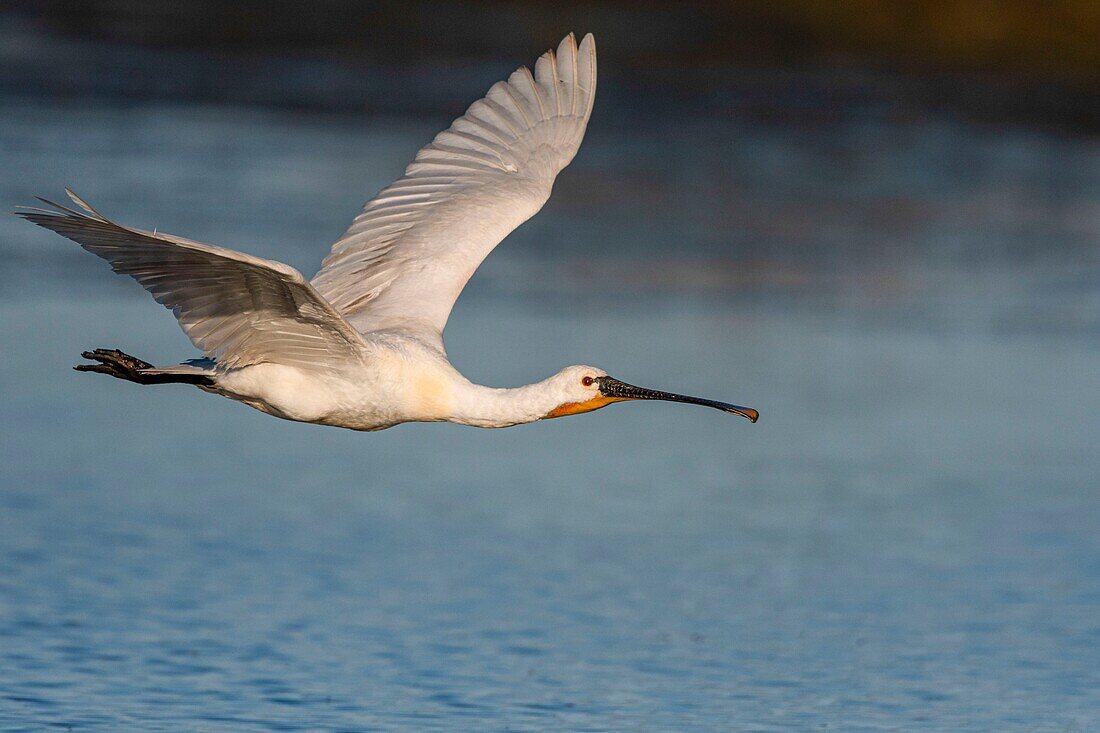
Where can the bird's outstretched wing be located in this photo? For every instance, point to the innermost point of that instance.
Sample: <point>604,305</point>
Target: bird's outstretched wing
<point>409,253</point>
<point>236,308</point>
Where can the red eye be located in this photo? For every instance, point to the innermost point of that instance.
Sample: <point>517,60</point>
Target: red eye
<point>587,381</point>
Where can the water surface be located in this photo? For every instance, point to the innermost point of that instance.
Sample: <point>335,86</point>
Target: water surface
<point>907,540</point>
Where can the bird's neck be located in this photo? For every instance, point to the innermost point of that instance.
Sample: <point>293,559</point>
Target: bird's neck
<point>491,407</point>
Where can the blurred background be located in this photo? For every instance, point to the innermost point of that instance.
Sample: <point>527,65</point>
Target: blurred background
<point>876,222</point>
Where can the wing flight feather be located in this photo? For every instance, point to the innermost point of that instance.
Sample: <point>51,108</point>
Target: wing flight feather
<point>406,257</point>
<point>238,309</point>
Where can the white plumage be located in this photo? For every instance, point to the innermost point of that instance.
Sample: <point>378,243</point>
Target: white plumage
<point>407,256</point>
<point>360,346</point>
<point>236,308</point>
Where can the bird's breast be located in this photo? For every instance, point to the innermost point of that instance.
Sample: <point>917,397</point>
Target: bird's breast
<point>430,396</point>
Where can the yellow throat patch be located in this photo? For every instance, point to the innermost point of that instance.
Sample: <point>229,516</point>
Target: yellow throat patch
<point>576,408</point>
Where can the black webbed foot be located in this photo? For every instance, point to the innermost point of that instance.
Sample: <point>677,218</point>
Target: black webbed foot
<point>117,364</point>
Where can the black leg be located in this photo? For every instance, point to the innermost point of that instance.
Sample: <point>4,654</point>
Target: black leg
<point>123,366</point>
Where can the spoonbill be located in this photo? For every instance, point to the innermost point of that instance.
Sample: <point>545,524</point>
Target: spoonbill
<point>360,345</point>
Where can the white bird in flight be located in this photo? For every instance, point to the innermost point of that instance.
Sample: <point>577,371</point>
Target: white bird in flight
<point>360,346</point>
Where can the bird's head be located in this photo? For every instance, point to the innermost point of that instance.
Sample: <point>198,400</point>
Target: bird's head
<point>584,388</point>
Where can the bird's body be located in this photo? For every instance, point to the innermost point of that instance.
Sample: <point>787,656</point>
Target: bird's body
<point>360,346</point>
<point>397,378</point>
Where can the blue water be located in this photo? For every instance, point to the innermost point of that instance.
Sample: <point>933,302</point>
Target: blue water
<point>909,539</point>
